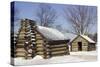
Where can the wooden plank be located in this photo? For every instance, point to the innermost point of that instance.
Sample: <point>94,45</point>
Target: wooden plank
<point>40,52</point>
<point>39,41</point>
<point>56,46</point>
<point>20,44</point>
<point>20,54</point>
<point>58,52</point>
<point>38,35</point>
<point>29,55</point>
<point>21,41</point>
<point>39,38</point>
<point>39,49</point>
<point>39,45</point>
<point>20,50</point>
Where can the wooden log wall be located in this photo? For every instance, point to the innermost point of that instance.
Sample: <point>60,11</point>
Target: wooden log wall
<point>14,38</point>
<point>26,43</point>
<point>19,50</point>
<point>39,44</point>
<point>31,43</point>
<point>58,49</point>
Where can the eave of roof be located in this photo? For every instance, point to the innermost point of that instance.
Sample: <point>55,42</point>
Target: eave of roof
<point>53,42</point>
<point>84,37</point>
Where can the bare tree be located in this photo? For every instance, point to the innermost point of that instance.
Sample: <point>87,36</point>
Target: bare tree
<point>81,18</point>
<point>59,27</point>
<point>46,15</point>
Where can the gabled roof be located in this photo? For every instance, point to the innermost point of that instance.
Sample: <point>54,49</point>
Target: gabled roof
<point>85,37</point>
<point>50,33</point>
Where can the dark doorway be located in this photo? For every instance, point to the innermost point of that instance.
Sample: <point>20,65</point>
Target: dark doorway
<point>79,46</point>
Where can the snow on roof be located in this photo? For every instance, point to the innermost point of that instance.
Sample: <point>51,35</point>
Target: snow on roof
<point>70,36</point>
<point>51,33</point>
<point>87,38</point>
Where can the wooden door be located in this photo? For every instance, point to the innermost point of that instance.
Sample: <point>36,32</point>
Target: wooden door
<point>79,46</point>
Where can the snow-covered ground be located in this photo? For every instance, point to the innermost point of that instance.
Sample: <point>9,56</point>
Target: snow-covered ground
<point>90,53</point>
<point>73,57</point>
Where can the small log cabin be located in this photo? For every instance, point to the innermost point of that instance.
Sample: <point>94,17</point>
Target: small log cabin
<point>82,43</point>
<point>35,40</point>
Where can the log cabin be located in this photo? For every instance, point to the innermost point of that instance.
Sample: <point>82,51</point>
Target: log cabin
<point>35,40</point>
<point>82,43</point>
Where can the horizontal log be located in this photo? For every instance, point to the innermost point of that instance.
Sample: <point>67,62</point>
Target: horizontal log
<point>57,46</point>
<point>20,38</point>
<point>29,55</point>
<point>21,41</point>
<point>20,44</point>
<point>20,54</point>
<point>39,41</point>
<point>39,49</point>
<point>58,52</point>
<point>39,38</point>
<point>40,53</point>
<point>58,49</point>
<point>39,45</point>
<point>20,50</point>
<point>38,35</point>
<point>22,32</point>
